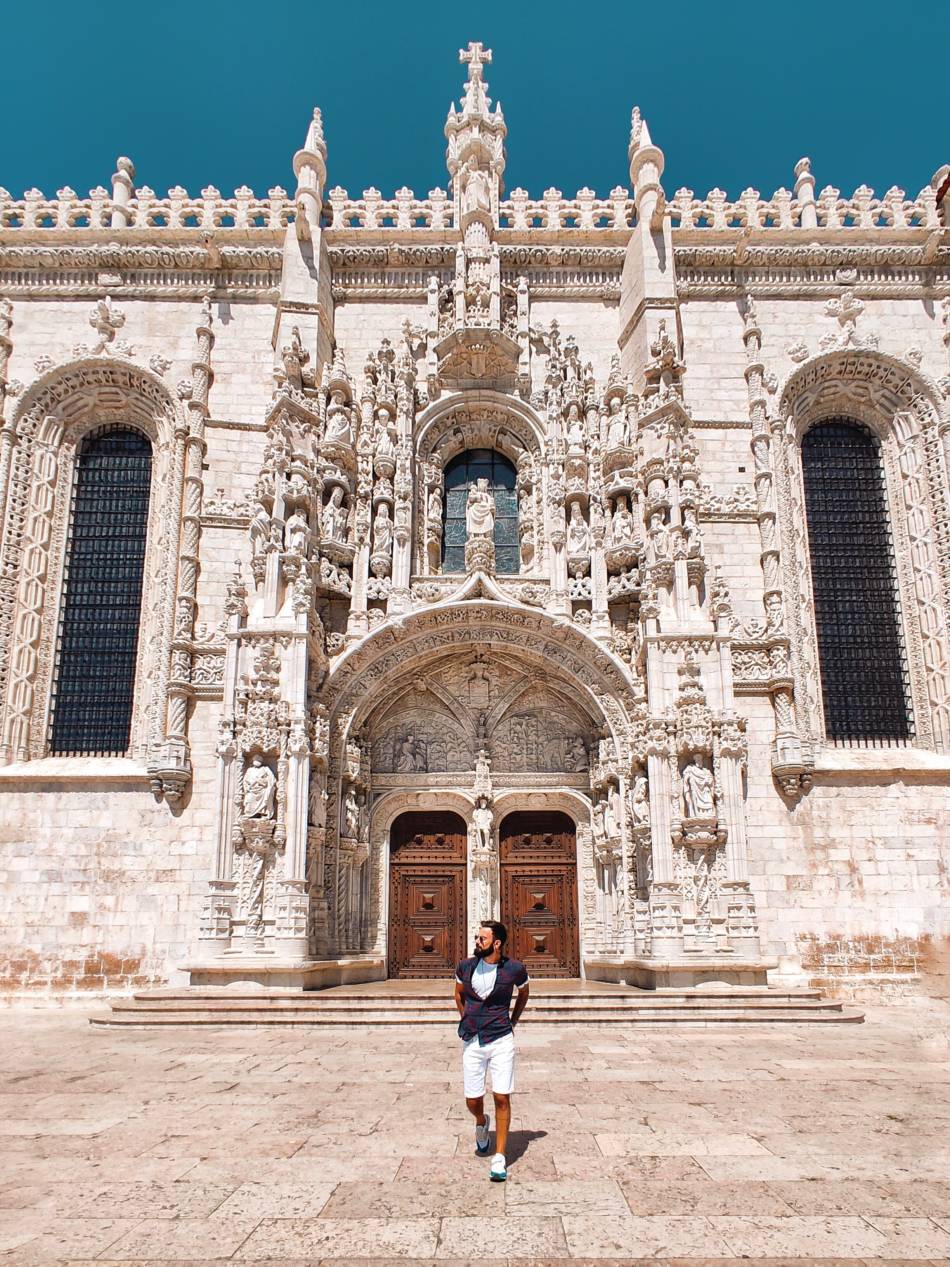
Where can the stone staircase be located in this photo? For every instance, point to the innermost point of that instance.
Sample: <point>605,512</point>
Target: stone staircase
<point>565,1002</point>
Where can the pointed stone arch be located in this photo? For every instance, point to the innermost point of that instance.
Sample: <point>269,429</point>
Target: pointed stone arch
<point>51,420</point>
<point>908,415</point>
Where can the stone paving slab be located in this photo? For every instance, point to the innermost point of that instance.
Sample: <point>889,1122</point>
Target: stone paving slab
<point>802,1147</point>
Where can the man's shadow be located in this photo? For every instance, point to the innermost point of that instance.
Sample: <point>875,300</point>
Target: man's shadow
<point>518,1142</point>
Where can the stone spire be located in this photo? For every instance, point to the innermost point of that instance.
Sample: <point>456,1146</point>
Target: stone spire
<point>646,165</point>
<point>310,168</point>
<point>476,133</point>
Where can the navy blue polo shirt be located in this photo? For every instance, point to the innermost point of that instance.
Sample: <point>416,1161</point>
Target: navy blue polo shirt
<point>488,1019</point>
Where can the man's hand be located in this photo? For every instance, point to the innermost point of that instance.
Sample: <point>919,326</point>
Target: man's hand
<point>521,1002</point>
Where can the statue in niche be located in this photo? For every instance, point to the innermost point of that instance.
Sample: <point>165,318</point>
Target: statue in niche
<point>260,789</point>
<point>616,424</point>
<point>259,531</point>
<point>578,533</point>
<point>316,804</point>
<point>691,529</point>
<point>698,789</point>
<point>479,685</point>
<point>297,533</point>
<point>773,612</point>
<point>577,758</point>
<point>640,801</point>
<point>351,814</point>
<point>434,512</point>
<point>338,427</point>
<point>382,530</point>
<point>575,430</point>
<point>483,821</point>
<point>622,526</point>
<point>335,516</point>
<point>613,813</point>
<point>480,510</point>
<point>476,192</point>
<point>659,535</point>
<point>385,447</point>
<point>599,825</point>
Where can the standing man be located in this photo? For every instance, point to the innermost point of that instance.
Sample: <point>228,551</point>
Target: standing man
<point>483,988</point>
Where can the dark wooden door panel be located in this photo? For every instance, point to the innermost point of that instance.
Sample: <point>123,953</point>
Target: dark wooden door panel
<point>539,892</point>
<point>426,895</point>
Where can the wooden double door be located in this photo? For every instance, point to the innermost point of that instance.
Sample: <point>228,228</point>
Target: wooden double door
<point>427,867</point>
<point>538,858</point>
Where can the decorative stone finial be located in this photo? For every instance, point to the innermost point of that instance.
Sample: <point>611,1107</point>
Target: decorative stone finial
<point>646,159</point>
<point>310,168</point>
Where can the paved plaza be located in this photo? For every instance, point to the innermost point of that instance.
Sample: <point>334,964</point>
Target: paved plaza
<point>799,1143</point>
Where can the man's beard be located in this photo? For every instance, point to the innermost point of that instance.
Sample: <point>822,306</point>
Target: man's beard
<point>481,952</point>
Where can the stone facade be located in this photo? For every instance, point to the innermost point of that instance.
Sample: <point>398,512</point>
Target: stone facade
<point>306,368</point>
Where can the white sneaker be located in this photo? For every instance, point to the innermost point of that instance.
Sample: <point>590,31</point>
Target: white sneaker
<point>482,1137</point>
<point>498,1172</point>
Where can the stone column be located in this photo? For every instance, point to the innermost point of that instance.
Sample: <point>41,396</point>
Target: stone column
<point>123,188</point>
<point>292,905</point>
<point>221,897</point>
<point>7,434</point>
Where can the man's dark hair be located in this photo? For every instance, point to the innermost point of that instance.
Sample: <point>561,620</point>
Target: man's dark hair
<point>498,931</point>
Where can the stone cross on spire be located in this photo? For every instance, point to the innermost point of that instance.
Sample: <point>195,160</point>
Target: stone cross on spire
<point>475,55</point>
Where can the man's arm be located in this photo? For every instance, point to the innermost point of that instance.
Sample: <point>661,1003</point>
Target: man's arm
<point>521,1002</point>
<point>460,998</point>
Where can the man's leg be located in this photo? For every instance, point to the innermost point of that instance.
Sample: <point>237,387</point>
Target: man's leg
<point>476,1106</point>
<point>502,1121</point>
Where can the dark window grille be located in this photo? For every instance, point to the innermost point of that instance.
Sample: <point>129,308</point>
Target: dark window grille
<point>460,474</point>
<point>864,679</point>
<point>98,634</point>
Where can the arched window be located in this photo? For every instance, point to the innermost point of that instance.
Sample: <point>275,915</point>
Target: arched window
<point>460,474</point>
<point>99,626</point>
<point>854,582</point>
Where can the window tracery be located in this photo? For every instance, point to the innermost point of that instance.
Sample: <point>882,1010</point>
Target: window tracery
<point>94,676</point>
<point>861,652</point>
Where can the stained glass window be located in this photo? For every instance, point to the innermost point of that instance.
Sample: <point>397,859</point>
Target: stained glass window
<point>99,626</point>
<point>460,474</point>
<point>854,581</point>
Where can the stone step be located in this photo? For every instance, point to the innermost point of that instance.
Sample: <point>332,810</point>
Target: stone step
<point>440,1008</point>
<point>438,995</point>
<point>673,1016</point>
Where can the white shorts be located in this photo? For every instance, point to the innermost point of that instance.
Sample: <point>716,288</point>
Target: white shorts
<point>499,1057</point>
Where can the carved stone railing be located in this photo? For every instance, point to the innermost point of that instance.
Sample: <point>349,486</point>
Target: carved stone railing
<point>784,211</point>
<point>403,211</point>
<point>146,211</point>
<point>553,211</point>
<point>142,209</point>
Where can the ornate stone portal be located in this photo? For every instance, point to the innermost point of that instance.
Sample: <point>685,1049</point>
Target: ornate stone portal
<point>338,629</point>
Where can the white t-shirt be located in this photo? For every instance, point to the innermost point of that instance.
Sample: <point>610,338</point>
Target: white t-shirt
<point>484,977</point>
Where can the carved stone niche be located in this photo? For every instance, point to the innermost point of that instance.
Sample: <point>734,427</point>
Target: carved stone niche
<point>698,833</point>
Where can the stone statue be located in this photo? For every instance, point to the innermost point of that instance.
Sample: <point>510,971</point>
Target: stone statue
<point>616,425</point>
<point>575,429</point>
<point>613,814</point>
<point>385,448</point>
<point>405,762</point>
<point>435,510</point>
<point>483,821</point>
<point>659,534</point>
<point>260,789</point>
<point>598,824</point>
<point>260,531</point>
<point>640,801</point>
<point>577,758</point>
<point>297,533</point>
<point>335,516</point>
<point>480,510</point>
<point>382,530</point>
<point>698,789</point>
<point>476,194</point>
<point>578,533</point>
<point>622,527</point>
<point>338,426</point>
<point>316,804</point>
<point>351,814</point>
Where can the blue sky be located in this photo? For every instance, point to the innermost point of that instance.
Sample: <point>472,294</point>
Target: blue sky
<point>219,92</point>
